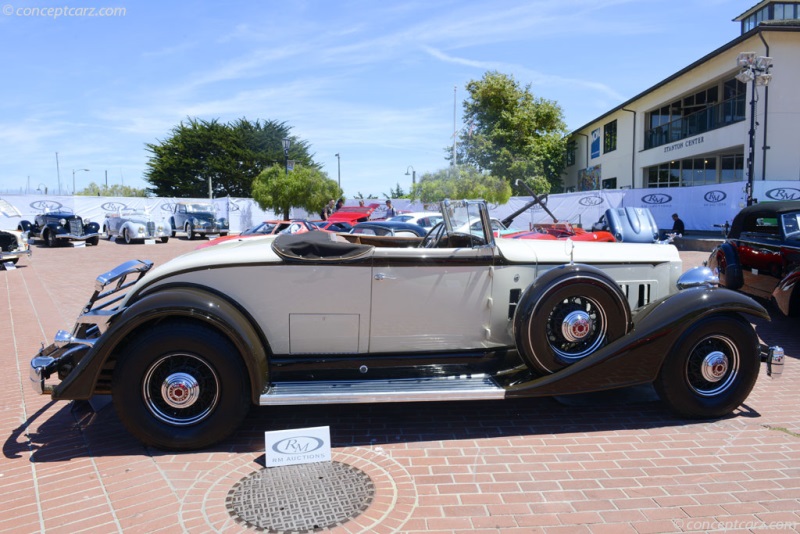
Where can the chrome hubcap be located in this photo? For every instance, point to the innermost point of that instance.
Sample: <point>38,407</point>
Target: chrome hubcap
<point>180,390</point>
<point>715,366</point>
<point>576,326</point>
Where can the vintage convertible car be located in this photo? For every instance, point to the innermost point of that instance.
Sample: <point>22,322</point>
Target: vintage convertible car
<point>61,225</point>
<point>13,245</point>
<point>197,219</point>
<point>135,225</point>
<point>184,349</point>
<point>761,255</point>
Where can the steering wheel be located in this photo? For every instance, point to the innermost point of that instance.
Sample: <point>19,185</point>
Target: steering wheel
<point>434,235</point>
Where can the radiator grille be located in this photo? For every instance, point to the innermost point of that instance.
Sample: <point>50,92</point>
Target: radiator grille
<point>75,227</point>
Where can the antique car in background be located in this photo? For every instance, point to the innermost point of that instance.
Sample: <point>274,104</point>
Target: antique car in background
<point>426,219</point>
<point>184,349</point>
<point>136,225</point>
<point>265,228</point>
<point>761,254</point>
<point>55,227</point>
<point>13,245</point>
<point>388,228</point>
<point>197,219</point>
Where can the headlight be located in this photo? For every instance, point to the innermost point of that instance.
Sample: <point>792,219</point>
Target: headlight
<point>140,229</point>
<point>62,222</point>
<point>698,277</point>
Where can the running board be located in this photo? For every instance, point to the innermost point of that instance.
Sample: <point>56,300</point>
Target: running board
<point>449,388</point>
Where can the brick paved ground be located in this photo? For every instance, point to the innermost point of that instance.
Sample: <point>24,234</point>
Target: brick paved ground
<point>614,462</point>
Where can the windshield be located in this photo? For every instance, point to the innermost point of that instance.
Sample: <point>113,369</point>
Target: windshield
<point>199,208</point>
<point>791,223</point>
<point>464,217</point>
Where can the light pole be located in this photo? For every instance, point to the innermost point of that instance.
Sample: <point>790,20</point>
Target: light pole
<point>286,144</point>
<point>339,168</point>
<point>413,176</point>
<point>41,188</point>
<point>756,70</point>
<point>73,178</point>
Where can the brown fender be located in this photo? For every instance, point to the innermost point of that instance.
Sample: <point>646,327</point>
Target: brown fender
<point>637,357</point>
<point>194,303</point>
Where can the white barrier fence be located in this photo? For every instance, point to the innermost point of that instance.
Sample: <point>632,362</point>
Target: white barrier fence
<point>701,208</point>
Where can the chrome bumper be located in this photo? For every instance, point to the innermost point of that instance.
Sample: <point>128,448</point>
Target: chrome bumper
<point>76,237</point>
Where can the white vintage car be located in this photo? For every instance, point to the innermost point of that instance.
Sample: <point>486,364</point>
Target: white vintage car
<point>136,225</point>
<point>186,348</point>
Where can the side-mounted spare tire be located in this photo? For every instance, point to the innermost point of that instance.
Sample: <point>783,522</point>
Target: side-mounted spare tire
<point>567,314</point>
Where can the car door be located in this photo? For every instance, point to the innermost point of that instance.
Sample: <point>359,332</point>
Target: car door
<point>426,300</point>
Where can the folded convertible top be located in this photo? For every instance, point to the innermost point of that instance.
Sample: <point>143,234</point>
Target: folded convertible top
<point>317,246</point>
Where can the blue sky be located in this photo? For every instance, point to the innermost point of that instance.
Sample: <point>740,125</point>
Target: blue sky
<point>371,80</point>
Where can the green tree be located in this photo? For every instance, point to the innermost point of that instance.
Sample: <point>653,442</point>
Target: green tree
<point>304,187</point>
<point>114,190</point>
<point>397,192</point>
<point>511,133</point>
<point>230,155</point>
<point>466,183</point>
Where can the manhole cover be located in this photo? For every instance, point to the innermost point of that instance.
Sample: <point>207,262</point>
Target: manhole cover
<point>300,498</point>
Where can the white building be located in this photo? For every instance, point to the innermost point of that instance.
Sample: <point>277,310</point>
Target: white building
<point>694,128</point>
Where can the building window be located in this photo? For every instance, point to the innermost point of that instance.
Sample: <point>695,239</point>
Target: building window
<point>610,137</point>
<point>696,113</point>
<point>609,183</point>
<point>696,171</point>
<point>572,148</point>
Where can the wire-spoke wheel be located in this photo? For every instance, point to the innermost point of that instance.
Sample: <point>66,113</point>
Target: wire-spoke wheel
<point>711,369</point>
<point>181,385</point>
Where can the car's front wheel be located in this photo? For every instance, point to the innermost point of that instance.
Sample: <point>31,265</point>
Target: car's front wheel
<point>181,385</point>
<point>50,238</point>
<point>94,241</point>
<point>190,231</point>
<point>165,239</point>
<point>712,368</point>
<point>126,235</point>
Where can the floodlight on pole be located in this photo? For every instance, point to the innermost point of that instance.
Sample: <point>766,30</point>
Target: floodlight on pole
<point>756,70</point>
<point>339,169</point>
<point>286,144</point>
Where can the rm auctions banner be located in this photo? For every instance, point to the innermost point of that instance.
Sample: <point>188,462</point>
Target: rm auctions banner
<point>703,208</point>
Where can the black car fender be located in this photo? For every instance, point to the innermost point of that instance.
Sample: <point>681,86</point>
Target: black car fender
<point>92,228</point>
<point>25,226</point>
<point>165,303</point>
<point>731,276</point>
<point>637,357</point>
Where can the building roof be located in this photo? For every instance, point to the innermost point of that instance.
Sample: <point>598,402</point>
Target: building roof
<point>766,26</point>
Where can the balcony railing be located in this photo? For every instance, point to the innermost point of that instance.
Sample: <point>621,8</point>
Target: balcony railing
<point>727,112</point>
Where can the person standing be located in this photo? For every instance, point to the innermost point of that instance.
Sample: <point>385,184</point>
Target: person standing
<point>678,227</point>
<point>390,211</point>
<point>327,210</point>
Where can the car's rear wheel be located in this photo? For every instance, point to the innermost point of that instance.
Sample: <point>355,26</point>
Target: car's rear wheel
<point>180,385</point>
<point>712,368</point>
<point>569,320</point>
<point>49,238</point>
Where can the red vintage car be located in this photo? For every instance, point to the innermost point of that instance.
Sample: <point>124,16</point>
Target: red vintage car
<point>761,254</point>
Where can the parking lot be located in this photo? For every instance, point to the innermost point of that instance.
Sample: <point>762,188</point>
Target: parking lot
<point>608,462</point>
